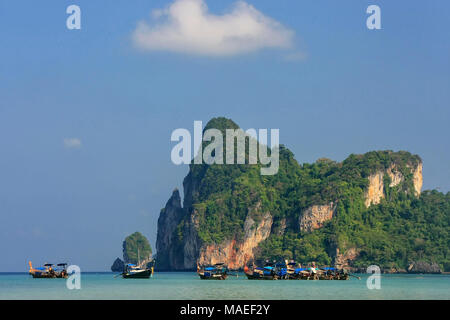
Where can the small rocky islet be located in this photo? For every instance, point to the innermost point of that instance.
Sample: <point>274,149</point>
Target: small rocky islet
<point>136,249</point>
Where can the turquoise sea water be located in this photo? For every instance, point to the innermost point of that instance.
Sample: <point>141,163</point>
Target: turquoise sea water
<point>187,285</point>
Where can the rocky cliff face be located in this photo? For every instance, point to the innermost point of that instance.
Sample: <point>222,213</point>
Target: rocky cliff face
<point>344,259</point>
<point>168,251</point>
<point>418,178</point>
<point>185,253</point>
<point>238,253</point>
<point>376,190</point>
<point>192,243</point>
<point>315,216</point>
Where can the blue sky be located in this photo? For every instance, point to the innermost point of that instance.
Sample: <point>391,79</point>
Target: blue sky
<point>354,90</point>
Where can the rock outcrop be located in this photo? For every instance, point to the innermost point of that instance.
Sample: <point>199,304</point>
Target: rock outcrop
<point>169,255</point>
<point>238,253</point>
<point>346,258</point>
<point>192,243</point>
<point>423,267</point>
<point>185,253</point>
<point>117,266</point>
<point>137,249</point>
<point>315,216</point>
<point>376,190</point>
<point>418,178</point>
<point>232,214</point>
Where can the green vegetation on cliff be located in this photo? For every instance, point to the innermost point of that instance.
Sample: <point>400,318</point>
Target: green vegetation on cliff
<point>391,234</point>
<point>131,244</point>
<point>400,229</point>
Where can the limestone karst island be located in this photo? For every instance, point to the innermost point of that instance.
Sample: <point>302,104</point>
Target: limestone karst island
<point>368,209</point>
<point>224,159</point>
<point>137,258</point>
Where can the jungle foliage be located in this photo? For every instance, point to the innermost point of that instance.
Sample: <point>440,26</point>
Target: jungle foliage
<point>131,244</point>
<point>400,229</point>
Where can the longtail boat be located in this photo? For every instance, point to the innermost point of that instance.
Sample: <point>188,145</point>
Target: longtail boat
<point>294,271</point>
<point>313,273</point>
<point>281,270</point>
<point>139,271</point>
<point>268,272</point>
<point>219,271</point>
<point>301,274</point>
<point>48,271</point>
<point>132,271</point>
<point>333,274</point>
<point>61,270</point>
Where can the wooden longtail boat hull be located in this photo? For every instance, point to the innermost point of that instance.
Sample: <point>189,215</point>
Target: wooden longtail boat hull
<point>62,275</point>
<point>213,276</point>
<point>145,274</point>
<point>258,276</point>
<point>44,275</point>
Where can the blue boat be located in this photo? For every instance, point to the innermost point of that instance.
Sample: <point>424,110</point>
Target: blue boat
<point>270,271</point>
<point>48,271</point>
<point>219,271</point>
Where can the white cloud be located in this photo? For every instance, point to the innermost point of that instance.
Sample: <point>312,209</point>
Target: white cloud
<point>186,26</point>
<point>72,143</point>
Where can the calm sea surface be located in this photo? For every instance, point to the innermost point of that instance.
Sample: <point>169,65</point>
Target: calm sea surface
<point>187,285</point>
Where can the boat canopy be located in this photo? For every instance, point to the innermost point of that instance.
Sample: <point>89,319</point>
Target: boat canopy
<point>48,264</point>
<point>131,265</point>
<point>61,264</point>
<point>210,268</point>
